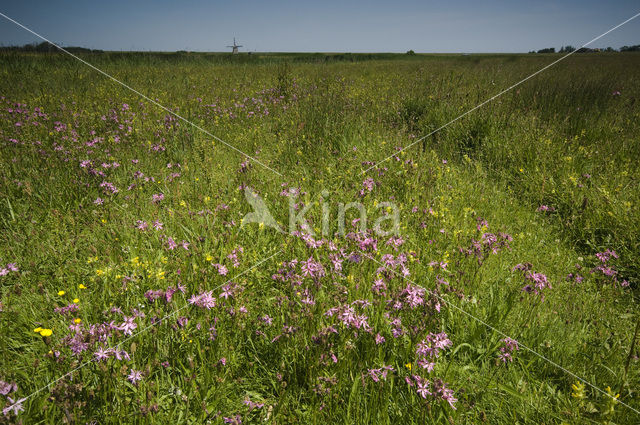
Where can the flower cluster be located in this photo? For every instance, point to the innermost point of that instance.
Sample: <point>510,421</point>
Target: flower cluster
<point>535,282</point>
<point>506,351</point>
<point>604,268</point>
<point>11,267</point>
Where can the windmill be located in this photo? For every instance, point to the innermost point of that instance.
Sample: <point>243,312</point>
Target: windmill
<point>234,47</point>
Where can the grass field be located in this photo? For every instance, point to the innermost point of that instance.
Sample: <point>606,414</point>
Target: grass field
<point>132,292</point>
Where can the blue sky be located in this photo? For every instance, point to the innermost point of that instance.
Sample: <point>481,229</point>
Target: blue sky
<point>322,26</point>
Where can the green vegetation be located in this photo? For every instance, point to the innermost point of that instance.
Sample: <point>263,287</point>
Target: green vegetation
<point>126,271</point>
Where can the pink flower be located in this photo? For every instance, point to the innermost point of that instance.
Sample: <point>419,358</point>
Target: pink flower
<point>204,300</point>
<point>134,376</point>
<point>423,389</point>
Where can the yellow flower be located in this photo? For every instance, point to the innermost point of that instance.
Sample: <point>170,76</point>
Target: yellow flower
<point>37,330</point>
<point>578,391</point>
<point>77,320</point>
<point>408,366</point>
<point>611,393</point>
<point>61,293</point>
<point>46,332</point>
<point>81,286</point>
<point>76,300</point>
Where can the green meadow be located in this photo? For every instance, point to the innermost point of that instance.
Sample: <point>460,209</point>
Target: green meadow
<point>132,291</point>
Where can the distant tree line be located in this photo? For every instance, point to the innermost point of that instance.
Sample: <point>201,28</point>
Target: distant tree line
<point>46,47</point>
<point>569,49</point>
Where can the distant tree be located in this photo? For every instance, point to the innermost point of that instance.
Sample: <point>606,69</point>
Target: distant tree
<point>547,50</point>
<point>587,50</point>
<point>411,53</point>
<point>567,49</point>
<point>609,49</point>
<point>635,48</point>
<point>46,47</point>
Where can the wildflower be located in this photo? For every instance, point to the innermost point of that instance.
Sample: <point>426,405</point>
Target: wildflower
<point>252,405</point>
<point>432,344</point>
<point>46,332</point>
<point>379,374</point>
<point>134,376</point>
<point>66,309</point>
<point>379,339</point>
<point>61,293</point>
<point>128,326</point>
<point>425,364</point>
<point>76,300</point>
<point>16,406</point>
<point>81,286</point>
<point>171,244</point>
<point>312,268</point>
<point>102,354</point>
<point>423,388</point>
<point>77,320</point>
<point>545,208</point>
<point>37,330</point>
<point>6,388</point>
<point>222,270</point>
<point>578,391</point>
<point>121,354</point>
<point>510,345</point>
<point>204,300</point>
<point>612,400</point>
<point>447,395</point>
<point>235,420</point>
<point>234,256</point>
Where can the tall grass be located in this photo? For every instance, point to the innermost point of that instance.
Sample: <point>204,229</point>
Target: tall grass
<point>320,123</point>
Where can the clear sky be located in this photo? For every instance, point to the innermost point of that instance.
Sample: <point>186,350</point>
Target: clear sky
<point>322,26</point>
